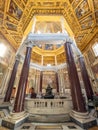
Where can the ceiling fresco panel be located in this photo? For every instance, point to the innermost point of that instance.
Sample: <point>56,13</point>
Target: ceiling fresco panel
<point>82,9</point>
<point>87,23</point>
<point>80,15</point>
<point>11,26</point>
<point>14,10</point>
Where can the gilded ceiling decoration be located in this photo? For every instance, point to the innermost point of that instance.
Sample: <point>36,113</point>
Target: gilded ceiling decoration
<point>81,16</point>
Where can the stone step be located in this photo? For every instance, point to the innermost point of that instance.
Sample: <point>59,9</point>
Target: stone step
<point>48,127</point>
<point>49,118</point>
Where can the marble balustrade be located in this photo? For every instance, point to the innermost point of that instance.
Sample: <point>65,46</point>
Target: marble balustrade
<point>48,106</point>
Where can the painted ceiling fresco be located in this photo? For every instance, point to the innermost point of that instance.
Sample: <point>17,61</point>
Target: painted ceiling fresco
<point>81,16</point>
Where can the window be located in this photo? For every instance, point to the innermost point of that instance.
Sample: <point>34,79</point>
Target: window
<point>95,49</point>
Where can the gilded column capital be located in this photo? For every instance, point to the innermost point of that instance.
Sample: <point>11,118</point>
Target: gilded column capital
<point>69,40</point>
<point>18,57</point>
<point>30,44</point>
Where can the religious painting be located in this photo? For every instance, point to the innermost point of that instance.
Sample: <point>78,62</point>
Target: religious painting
<point>87,23</point>
<point>48,46</point>
<point>11,26</point>
<point>95,4</point>
<point>95,70</point>
<point>49,79</point>
<point>82,9</point>
<point>14,10</point>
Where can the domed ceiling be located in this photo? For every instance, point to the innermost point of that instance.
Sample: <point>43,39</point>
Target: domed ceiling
<point>78,17</point>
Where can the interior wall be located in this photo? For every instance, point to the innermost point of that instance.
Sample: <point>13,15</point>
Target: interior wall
<point>92,63</point>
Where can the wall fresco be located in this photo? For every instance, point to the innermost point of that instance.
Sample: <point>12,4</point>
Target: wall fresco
<point>95,70</point>
<point>49,79</point>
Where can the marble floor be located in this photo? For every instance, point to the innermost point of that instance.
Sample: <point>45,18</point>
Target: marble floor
<point>49,126</point>
<point>46,126</point>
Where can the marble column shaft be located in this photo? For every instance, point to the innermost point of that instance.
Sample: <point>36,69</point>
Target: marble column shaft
<point>77,98</point>
<point>11,81</point>
<point>19,101</point>
<point>87,84</point>
<point>41,80</point>
<point>57,82</point>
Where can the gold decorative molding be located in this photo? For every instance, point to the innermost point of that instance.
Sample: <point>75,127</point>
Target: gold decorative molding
<point>81,19</point>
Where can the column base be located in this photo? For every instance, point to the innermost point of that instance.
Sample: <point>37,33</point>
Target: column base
<point>5,105</point>
<point>84,120</point>
<point>14,119</point>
